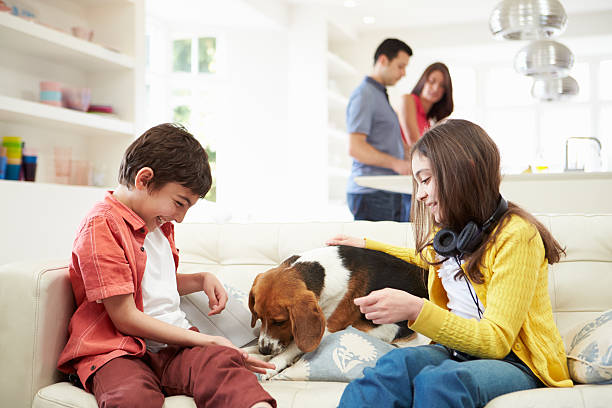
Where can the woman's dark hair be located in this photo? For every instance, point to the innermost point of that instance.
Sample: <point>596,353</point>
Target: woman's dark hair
<point>444,107</point>
<point>466,168</point>
<point>174,155</point>
<point>390,48</point>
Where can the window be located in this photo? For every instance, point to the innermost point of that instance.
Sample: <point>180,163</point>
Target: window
<point>504,87</point>
<point>207,53</point>
<point>183,85</point>
<point>197,55</point>
<point>181,56</point>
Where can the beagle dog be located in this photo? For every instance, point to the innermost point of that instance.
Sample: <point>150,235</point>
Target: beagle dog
<point>312,294</point>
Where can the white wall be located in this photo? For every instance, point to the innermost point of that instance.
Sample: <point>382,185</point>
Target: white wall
<point>253,147</point>
<point>39,221</point>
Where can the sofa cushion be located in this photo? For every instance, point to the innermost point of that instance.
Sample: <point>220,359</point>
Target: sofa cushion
<point>589,350</point>
<point>294,394</point>
<point>341,356</point>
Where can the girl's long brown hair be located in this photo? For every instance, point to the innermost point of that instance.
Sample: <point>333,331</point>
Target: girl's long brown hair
<point>444,107</point>
<point>466,168</point>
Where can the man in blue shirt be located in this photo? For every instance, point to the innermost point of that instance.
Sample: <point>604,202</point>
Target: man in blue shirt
<point>376,143</point>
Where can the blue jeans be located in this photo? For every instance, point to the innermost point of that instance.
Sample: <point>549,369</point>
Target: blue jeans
<point>376,206</point>
<point>433,376</point>
<point>406,205</point>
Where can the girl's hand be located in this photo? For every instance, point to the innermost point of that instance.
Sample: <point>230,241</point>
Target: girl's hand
<point>389,306</point>
<point>217,296</point>
<point>346,240</point>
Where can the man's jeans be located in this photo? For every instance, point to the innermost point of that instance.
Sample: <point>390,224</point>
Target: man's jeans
<point>376,206</point>
<point>434,376</point>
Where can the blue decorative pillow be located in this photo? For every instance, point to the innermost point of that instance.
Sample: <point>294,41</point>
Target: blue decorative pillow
<point>341,356</point>
<point>589,351</point>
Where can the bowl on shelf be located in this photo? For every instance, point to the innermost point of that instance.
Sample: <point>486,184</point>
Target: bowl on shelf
<point>83,33</point>
<point>76,98</point>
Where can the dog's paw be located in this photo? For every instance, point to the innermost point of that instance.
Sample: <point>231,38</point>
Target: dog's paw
<point>280,362</point>
<point>268,375</point>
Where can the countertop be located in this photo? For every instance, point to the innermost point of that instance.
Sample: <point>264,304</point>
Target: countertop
<point>403,184</point>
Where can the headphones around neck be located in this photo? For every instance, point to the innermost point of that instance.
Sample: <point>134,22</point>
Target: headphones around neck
<point>450,244</point>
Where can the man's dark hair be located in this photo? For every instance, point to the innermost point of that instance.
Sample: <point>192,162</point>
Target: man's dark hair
<point>174,155</point>
<point>391,47</point>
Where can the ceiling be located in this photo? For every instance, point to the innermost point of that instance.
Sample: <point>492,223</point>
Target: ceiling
<point>388,14</point>
<point>414,13</point>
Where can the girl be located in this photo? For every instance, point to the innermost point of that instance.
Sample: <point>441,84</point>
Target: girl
<point>489,313</point>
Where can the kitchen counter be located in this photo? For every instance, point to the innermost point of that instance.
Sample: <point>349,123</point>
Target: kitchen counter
<point>568,192</point>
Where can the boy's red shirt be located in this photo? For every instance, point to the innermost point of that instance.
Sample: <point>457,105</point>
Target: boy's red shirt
<point>108,259</point>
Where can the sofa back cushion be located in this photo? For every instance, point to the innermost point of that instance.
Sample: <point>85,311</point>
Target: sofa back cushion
<point>578,285</point>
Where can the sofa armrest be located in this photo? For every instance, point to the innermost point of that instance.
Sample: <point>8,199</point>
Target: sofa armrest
<point>36,304</point>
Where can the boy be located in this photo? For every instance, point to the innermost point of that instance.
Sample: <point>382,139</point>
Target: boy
<point>129,342</point>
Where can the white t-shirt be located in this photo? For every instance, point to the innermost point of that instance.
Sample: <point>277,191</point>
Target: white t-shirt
<point>160,295</point>
<point>460,301</point>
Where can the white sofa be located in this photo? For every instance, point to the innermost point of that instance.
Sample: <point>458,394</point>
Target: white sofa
<point>36,304</point>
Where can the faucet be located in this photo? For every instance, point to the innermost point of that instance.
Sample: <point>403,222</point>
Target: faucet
<point>567,141</point>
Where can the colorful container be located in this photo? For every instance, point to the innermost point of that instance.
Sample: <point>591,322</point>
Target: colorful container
<point>51,93</point>
<point>13,146</point>
<point>29,161</point>
<point>2,167</point>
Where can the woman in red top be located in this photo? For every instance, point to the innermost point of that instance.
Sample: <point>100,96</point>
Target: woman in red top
<point>430,101</point>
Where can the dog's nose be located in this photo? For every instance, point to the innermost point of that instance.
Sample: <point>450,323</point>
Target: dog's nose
<point>265,350</point>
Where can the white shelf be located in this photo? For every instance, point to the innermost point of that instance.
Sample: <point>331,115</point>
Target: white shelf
<point>336,101</point>
<point>41,115</point>
<point>31,38</point>
<point>337,67</point>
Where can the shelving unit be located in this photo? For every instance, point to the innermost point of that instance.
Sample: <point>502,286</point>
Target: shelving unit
<point>342,79</point>
<point>51,117</point>
<point>34,39</point>
<point>111,65</point>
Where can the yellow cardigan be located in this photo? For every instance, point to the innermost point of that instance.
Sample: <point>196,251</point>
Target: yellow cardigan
<point>518,313</point>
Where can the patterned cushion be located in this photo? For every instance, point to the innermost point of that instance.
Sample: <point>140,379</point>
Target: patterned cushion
<point>589,351</point>
<point>341,356</point>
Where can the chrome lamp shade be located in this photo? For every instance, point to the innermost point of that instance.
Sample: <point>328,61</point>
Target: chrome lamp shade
<point>544,58</point>
<point>554,89</point>
<point>527,19</point>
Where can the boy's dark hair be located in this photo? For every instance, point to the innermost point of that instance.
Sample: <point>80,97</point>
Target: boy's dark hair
<point>173,154</point>
<point>391,47</point>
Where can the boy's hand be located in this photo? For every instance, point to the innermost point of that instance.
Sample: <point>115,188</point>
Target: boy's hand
<point>217,296</point>
<point>256,365</point>
<point>252,363</point>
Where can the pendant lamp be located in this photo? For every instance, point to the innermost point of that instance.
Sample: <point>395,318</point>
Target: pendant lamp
<point>544,58</point>
<point>554,89</point>
<point>527,19</point>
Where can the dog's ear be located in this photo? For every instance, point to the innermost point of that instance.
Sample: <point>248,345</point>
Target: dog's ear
<point>290,260</point>
<point>254,316</point>
<point>307,322</point>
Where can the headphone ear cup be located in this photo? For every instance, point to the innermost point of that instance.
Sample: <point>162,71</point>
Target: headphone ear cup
<point>445,243</point>
<point>469,238</point>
